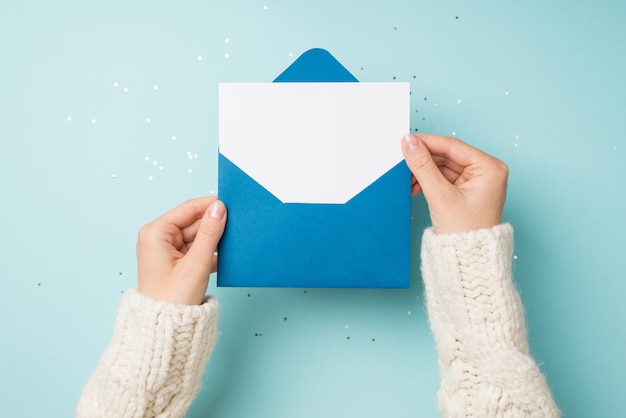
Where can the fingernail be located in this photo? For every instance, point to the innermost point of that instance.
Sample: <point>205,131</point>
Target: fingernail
<point>217,210</point>
<point>411,142</point>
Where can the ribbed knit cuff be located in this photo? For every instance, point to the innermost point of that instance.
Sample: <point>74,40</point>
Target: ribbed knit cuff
<point>468,284</point>
<point>155,360</point>
<point>478,323</point>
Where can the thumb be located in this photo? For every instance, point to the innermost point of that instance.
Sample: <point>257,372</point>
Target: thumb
<point>209,233</point>
<point>421,163</point>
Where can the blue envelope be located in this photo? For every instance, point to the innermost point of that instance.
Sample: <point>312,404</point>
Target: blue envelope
<point>269,241</point>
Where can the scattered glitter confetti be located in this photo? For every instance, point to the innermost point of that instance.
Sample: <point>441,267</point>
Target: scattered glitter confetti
<point>285,319</point>
<point>149,177</point>
<point>514,257</point>
<point>265,7</point>
<point>459,101</point>
<point>93,120</point>
<point>226,40</point>
<point>147,158</point>
<point>113,176</point>
<point>199,57</point>
<point>346,326</point>
<point>516,137</point>
<point>69,118</point>
<point>373,340</point>
<point>190,171</point>
<point>614,146</point>
<point>410,312</point>
<point>154,162</point>
<point>155,87</point>
<point>173,138</point>
<point>125,89</point>
<point>453,133</point>
<point>226,55</point>
<point>506,93</point>
<point>115,84</point>
<point>148,120</point>
<point>348,337</point>
<point>161,168</point>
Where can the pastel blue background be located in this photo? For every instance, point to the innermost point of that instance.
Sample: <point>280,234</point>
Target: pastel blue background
<point>538,84</point>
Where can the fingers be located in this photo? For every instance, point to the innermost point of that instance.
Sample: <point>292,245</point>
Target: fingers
<point>459,161</point>
<point>190,232</point>
<point>453,149</point>
<point>454,153</point>
<point>186,214</point>
<point>418,157</point>
<point>209,231</point>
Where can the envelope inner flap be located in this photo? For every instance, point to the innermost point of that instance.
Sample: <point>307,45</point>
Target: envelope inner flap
<point>313,142</point>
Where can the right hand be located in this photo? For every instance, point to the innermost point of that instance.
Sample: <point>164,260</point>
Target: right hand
<point>465,188</point>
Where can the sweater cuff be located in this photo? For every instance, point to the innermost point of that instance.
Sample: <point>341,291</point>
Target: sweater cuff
<point>156,357</point>
<point>169,340</point>
<point>468,283</point>
<point>145,309</point>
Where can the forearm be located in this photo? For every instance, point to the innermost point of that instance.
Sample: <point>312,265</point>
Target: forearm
<point>153,365</point>
<point>478,323</point>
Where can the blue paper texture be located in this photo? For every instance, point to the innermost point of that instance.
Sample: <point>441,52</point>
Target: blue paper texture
<point>363,243</point>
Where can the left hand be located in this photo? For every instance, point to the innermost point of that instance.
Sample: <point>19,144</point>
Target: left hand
<point>175,252</point>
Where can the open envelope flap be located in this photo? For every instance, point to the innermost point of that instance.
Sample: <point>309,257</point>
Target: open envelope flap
<point>315,65</point>
<point>356,244</point>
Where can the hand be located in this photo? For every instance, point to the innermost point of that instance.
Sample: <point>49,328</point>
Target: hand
<point>175,252</point>
<point>465,188</point>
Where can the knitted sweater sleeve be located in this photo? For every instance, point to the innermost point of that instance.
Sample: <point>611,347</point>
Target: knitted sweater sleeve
<point>154,362</point>
<point>477,321</point>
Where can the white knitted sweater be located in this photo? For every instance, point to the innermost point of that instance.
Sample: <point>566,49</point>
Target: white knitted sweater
<point>477,320</point>
<point>153,365</point>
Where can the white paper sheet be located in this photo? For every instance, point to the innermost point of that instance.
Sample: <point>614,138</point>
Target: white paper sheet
<point>313,142</point>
